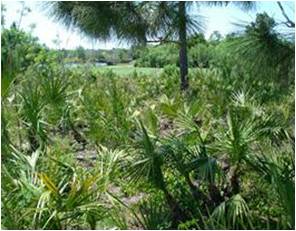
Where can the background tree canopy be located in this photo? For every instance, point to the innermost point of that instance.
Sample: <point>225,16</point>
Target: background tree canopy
<point>137,21</point>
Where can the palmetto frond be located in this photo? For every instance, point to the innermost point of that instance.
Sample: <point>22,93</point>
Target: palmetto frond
<point>278,169</point>
<point>32,108</point>
<point>148,161</point>
<point>232,213</point>
<point>108,164</point>
<point>153,215</point>
<point>239,136</point>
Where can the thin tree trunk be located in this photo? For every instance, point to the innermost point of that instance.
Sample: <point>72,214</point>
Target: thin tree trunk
<point>183,47</point>
<point>234,180</point>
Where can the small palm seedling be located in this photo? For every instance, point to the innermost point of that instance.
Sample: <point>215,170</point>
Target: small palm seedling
<point>169,107</point>
<point>54,88</point>
<point>190,155</point>
<point>108,118</point>
<point>243,131</point>
<point>68,201</point>
<point>119,104</point>
<point>154,215</point>
<point>5,138</point>
<point>277,168</point>
<point>231,214</point>
<point>119,215</point>
<point>72,197</point>
<point>236,144</point>
<point>20,187</point>
<point>148,165</point>
<point>32,108</point>
<point>108,165</point>
<point>178,156</point>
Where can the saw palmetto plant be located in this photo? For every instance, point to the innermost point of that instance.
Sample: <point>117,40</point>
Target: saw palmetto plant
<point>119,146</point>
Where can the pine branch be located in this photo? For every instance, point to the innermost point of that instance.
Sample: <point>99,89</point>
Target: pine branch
<point>162,41</point>
<point>289,22</point>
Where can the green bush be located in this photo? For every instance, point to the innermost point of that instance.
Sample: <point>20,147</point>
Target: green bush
<point>200,55</point>
<point>158,56</point>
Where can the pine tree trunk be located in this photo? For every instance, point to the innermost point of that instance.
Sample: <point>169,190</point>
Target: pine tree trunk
<point>183,47</point>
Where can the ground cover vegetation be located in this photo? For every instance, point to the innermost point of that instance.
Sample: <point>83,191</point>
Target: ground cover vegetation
<point>92,148</point>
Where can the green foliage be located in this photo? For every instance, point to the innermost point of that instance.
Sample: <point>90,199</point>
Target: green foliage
<point>200,55</point>
<point>18,50</point>
<point>157,56</point>
<point>233,214</point>
<point>149,163</point>
<point>33,105</point>
<point>166,54</point>
<point>81,53</point>
<point>58,194</point>
<point>279,171</point>
<point>153,215</point>
<point>109,150</point>
<point>274,54</point>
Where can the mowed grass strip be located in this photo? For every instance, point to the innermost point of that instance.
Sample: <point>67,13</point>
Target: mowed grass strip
<point>127,70</point>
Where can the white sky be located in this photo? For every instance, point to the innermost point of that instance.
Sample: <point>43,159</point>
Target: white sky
<point>217,18</point>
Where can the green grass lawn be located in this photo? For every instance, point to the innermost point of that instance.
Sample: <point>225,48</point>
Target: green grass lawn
<point>127,69</point>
